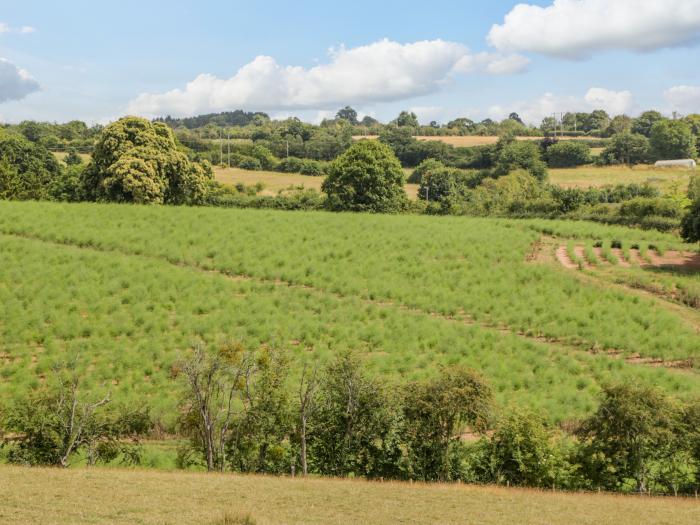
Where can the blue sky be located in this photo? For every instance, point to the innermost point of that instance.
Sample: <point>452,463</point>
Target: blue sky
<point>97,61</point>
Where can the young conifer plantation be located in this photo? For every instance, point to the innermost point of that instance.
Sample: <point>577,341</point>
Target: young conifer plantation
<point>469,295</point>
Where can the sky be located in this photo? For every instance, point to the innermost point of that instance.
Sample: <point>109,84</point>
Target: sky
<point>98,61</point>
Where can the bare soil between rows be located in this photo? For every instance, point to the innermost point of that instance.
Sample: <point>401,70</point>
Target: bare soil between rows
<point>670,259</point>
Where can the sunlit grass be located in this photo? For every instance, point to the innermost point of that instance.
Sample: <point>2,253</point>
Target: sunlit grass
<point>597,176</point>
<point>81,497</point>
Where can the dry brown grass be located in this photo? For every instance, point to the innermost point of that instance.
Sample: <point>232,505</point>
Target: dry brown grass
<point>60,155</point>
<point>275,182</point>
<point>594,176</point>
<point>150,497</point>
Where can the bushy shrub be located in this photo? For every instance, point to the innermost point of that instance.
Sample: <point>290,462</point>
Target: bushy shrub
<point>568,154</point>
<point>519,155</point>
<point>641,207</point>
<point>67,186</point>
<point>690,225</point>
<point>524,452</point>
<point>313,168</point>
<point>290,165</point>
<point>249,163</point>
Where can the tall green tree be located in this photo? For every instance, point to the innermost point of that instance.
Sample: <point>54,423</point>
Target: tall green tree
<point>626,148</point>
<point>349,114</point>
<point>407,119</point>
<point>367,177</point>
<point>619,124</point>
<point>139,161</point>
<point>643,123</point>
<point>26,169</point>
<point>522,452</point>
<point>672,139</point>
<point>631,430</point>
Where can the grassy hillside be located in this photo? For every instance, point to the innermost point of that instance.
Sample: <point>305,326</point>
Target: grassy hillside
<point>597,176</point>
<point>132,288</point>
<point>126,497</point>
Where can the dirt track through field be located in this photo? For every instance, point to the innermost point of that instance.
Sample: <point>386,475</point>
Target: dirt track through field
<point>670,259</point>
<point>461,317</point>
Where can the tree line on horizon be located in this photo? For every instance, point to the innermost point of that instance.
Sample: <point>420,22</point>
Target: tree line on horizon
<point>138,161</point>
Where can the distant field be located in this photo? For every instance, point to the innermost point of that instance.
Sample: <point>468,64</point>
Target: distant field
<point>593,176</point>
<point>275,182</point>
<point>124,497</point>
<point>475,140</point>
<point>60,155</point>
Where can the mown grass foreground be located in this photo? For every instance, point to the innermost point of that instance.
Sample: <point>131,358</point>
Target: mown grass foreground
<point>148,497</point>
<point>131,289</point>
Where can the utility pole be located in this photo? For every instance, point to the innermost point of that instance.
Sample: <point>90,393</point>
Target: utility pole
<point>228,144</point>
<point>221,149</point>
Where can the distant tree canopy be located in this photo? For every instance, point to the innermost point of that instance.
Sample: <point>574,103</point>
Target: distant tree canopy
<point>349,114</point>
<point>515,155</point>
<point>367,177</point>
<point>619,124</point>
<point>26,169</point>
<point>139,161</point>
<point>626,148</point>
<point>644,122</point>
<point>228,118</point>
<point>407,119</point>
<point>672,139</point>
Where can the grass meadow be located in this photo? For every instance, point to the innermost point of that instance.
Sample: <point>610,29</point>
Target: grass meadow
<point>591,176</point>
<point>274,182</point>
<point>76,496</point>
<point>130,289</point>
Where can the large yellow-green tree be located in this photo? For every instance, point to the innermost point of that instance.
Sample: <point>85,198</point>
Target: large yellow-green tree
<point>139,161</point>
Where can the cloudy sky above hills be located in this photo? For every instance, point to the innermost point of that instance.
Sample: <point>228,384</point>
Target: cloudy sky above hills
<point>442,59</point>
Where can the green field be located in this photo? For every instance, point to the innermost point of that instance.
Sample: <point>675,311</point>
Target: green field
<point>77,497</point>
<point>131,289</point>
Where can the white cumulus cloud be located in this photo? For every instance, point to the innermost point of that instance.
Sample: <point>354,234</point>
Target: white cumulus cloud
<point>492,63</point>
<point>577,28</point>
<point>614,102</point>
<point>684,98</point>
<point>15,83</point>
<point>378,72</point>
<point>24,30</point>
<point>533,111</point>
